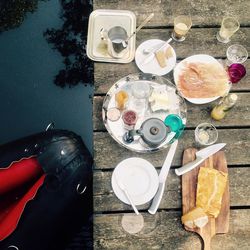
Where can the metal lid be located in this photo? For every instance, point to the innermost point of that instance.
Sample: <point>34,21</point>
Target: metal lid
<point>154,131</point>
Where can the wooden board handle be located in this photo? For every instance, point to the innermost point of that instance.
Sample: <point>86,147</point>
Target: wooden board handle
<point>206,243</point>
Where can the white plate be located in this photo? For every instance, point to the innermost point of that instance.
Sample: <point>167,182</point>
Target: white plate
<point>139,178</point>
<point>195,58</point>
<point>153,67</point>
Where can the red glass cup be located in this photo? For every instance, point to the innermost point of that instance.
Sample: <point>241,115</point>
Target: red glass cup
<point>236,72</point>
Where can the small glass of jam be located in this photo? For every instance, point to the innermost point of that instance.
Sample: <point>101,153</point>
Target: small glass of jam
<point>129,118</point>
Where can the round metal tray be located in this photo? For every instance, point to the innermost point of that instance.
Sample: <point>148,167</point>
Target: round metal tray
<point>116,128</point>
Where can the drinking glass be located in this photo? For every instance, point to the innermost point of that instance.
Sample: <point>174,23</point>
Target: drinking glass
<point>139,100</point>
<point>229,26</point>
<point>206,134</point>
<point>182,24</point>
<point>236,54</point>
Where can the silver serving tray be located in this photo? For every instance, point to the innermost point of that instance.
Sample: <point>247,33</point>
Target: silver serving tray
<point>96,48</point>
<point>116,128</point>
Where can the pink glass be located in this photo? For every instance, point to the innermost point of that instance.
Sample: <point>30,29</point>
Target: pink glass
<point>236,72</point>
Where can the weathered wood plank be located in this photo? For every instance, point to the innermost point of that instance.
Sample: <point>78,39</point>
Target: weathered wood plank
<point>195,113</point>
<point>105,199</point>
<point>164,231</point>
<point>166,10</point>
<point>108,153</point>
<point>199,41</point>
<point>107,74</point>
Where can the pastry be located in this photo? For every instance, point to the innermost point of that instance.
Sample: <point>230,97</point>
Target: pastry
<point>161,58</point>
<point>210,190</point>
<point>195,218</point>
<point>203,80</point>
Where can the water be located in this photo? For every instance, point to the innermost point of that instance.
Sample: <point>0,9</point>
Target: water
<point>29,100</point>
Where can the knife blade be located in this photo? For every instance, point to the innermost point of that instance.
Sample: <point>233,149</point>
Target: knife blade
<point>201,156</point>
<point>162,178</point>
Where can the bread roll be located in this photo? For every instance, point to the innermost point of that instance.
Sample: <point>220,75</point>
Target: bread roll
<point>195,218</point>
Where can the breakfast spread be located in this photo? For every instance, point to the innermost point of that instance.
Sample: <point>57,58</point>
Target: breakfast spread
<point>144,112</point>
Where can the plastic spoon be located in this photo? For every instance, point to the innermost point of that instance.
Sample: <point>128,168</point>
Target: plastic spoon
<point>122,187</point>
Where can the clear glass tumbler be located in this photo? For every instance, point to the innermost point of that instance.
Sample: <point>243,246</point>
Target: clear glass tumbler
<point>236,53</point>
<point>140,93</point>
<point>182,25</point>
<point>206,134</point>
<point>229,26</point>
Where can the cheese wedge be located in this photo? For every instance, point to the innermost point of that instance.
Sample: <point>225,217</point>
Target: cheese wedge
<point>161,58</point>
<point>195,218</point>
<point>168,52</point>
<point>210,190</point>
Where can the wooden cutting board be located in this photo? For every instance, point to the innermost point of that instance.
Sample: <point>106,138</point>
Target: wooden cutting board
<point>189,184</point>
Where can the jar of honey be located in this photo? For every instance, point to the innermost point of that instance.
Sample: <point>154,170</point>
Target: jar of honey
<point>220,110</point>
<point>121,99</point>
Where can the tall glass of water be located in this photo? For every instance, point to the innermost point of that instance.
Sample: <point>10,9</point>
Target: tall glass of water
<point>229,26</point>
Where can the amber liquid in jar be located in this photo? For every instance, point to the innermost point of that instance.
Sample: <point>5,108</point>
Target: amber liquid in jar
<point>220,110</point>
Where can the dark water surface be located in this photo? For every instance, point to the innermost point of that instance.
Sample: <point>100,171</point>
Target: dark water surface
<point>29,100</point>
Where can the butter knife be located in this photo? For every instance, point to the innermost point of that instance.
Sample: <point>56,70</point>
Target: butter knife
<point>162,178</point>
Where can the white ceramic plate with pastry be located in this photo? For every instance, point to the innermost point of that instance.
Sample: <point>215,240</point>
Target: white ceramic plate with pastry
<point>201,79</point>
<point>153,66</point>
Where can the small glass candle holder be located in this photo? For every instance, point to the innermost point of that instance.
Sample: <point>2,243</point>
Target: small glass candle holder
<point>236,53</point>
<point>236,72</point>
<point>206,134</point>
<point>182,25</point>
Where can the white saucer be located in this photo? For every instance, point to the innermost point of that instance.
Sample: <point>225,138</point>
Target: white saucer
<point>195,58</point>
<point>139,178</point>
<point>153,67</point>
